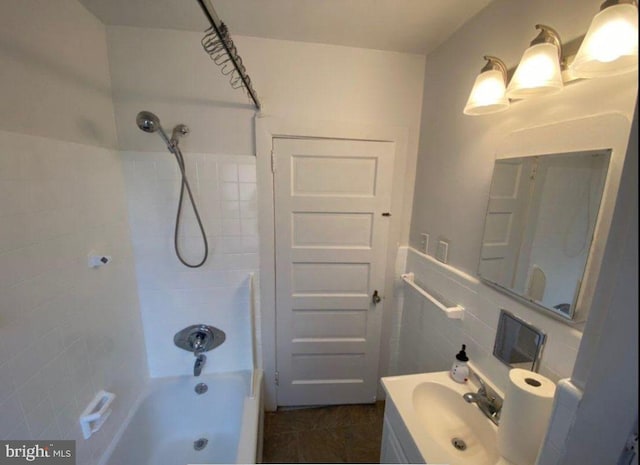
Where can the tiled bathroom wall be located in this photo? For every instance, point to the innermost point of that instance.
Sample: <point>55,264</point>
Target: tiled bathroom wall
<point>173,296</point>
<point>66,330</point>
<point>428,340</point>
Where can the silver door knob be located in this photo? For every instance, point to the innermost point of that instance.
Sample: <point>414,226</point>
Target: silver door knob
<point>375,298</point>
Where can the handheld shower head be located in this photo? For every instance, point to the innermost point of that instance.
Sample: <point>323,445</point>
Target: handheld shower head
<point>148,122</point>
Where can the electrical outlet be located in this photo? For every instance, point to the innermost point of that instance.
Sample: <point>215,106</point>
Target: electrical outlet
<point>442,251</point>
<point>424,242</point>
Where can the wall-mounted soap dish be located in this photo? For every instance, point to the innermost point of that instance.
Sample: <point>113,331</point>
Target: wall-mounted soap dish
<point>96,413</point>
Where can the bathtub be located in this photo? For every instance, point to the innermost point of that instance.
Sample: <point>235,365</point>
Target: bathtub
<point>170,417</point>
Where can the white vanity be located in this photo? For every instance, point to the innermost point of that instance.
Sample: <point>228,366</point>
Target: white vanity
<point>426,420</point>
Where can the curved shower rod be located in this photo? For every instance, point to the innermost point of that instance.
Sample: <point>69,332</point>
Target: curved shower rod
<point>220,46</point>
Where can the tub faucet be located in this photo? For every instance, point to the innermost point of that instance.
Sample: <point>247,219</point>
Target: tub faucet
<point>487,400</point>
<point>200,361</point>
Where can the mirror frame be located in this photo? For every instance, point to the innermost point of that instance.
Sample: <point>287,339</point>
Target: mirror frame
<point>602,131</point>
<point>523,298</point>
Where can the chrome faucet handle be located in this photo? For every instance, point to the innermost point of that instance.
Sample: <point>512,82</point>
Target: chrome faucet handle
<point>199,338</point>
<point>199,342</point>
<point>488,393</point>
<point>198,345</point>
<point>487,400</point>
<point>197,348</point>
<point>483,386</point>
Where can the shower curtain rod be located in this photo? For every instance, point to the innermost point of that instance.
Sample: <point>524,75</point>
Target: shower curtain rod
<point>223,35</point>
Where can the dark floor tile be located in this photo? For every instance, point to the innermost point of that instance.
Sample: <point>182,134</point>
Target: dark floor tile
<point>283,421</point>
<point>335,416</point>
<point>366,414</point>
<point>281,448</point>
<point>332,434</point>
<point>363,443</point>
<point>363,455</point>
<point>369,434</point>
<point>323,446</point>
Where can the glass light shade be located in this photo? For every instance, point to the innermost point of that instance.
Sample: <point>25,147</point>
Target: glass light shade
<point>611,44</point>
<point>488,94</point>
<point>537,74</point>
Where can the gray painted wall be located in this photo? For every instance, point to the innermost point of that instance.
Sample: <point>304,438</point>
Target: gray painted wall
<point>457,152</point>
<point>607,364</point>
<point>55,78</point>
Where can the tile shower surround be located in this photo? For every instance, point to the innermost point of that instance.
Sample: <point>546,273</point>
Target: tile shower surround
<point>66,331</point>
<point>173,296</point>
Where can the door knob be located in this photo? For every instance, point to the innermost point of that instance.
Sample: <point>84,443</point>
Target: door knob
<point>375,298</point>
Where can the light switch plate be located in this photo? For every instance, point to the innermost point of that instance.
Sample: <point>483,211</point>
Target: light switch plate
<point>424,242</point>
<point>442,251</point>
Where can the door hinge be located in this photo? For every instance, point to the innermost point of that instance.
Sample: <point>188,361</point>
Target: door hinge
<point>273,162</point>
<point>277,378</point>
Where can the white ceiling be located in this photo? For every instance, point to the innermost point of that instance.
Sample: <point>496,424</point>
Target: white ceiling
<point>414,26</point>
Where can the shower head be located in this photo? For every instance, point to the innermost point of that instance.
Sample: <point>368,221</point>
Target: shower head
<point>148,122</point>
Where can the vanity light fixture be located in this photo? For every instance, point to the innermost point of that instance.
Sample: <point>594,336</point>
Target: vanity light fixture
<point>488,92</point>
<point>610,46</point>
<point>539,70</point>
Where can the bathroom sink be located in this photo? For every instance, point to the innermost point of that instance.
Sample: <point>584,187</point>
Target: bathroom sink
<point>444,428</point>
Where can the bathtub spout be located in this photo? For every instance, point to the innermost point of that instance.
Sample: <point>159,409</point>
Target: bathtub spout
<point>197,367</point>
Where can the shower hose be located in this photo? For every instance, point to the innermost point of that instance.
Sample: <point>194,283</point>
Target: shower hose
<point>184,185</point>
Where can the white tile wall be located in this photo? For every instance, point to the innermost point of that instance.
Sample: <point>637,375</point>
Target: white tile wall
<point>396,319</point>
<point>66,331</point>
<point>429,340</point>
<point>173,296</point>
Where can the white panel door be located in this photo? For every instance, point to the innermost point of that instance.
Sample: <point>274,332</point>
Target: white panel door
<point>332,199</point>
<point>505,221</point>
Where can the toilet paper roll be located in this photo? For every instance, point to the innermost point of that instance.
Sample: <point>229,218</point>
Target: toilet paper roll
<point>525,415</point>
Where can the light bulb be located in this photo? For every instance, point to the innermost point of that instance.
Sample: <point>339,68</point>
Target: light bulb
<point>488,92</point>
<point>487,95</point>
<point>538,72</point>
<point>610,46</point>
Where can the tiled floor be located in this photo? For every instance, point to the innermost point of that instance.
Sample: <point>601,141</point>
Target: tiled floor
<point>335,434</point>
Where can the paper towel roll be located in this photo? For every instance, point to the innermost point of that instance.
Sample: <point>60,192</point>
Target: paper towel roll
<point>525,415</point>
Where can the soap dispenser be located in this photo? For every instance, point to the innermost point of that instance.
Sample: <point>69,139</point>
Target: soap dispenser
<point>460,370</point>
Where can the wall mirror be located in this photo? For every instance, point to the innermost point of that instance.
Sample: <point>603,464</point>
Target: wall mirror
<point>518,344</point>
<point>539,226</point>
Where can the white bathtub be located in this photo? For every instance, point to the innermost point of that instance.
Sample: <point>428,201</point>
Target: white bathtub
<point>171,416</point>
